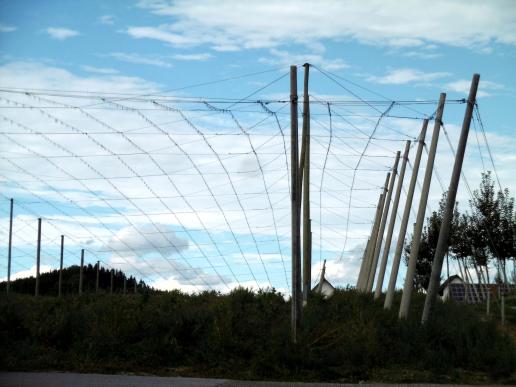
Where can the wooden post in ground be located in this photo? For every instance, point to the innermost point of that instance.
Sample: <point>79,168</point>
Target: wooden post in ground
<point>385,214</point>
<point>374,236</point>
<point>295,209</point>
<point>442,242</point>
<point>9,249</point>
<point>38,258</point>
<point>404,220</point>
<point>363,275</point>
<point>81,271</point>
<point>60,284</point>
<point>304,172</point>
<point>416,237</point>
<point>392,222</point>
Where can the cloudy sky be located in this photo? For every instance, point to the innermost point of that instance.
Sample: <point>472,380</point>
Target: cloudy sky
<point>155,134</point>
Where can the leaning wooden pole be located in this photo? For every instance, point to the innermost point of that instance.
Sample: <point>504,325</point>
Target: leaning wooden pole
<point>444,232</point>
<point>304,171</point>
<point>60,284</point>
<point>404,220</point>
<point>38,257</point>
<point>385,214</point>
<point>295,208</point>
<point>416,237</point>
<point>392,222</point>
<point>9,249</point>
<point>374,236</point>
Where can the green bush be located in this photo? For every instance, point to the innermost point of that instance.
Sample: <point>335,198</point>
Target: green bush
<point>247,335</point>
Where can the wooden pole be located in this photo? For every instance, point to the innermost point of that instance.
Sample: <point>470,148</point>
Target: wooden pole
<point>9,250</point>
<point>125,284</point>
<point>304,171</point>
<point>392,222</point>
<point>112,282</point>
<point>385,214</point>
<point>405,219</point>
<point>442,242</point>
<point>81,271</point>
<point>364,269</point>
<point>295,208</point>
<point>416,237</point>
<point>374,235</point>
<point>60,284</point>
<point>38,257</point>
<point>362,265</point>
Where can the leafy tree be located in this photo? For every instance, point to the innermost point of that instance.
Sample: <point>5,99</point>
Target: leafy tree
<point>493,220</point>
<point>428,244</point>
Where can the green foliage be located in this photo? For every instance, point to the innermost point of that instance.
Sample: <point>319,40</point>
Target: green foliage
<point>245,335</point>
<point>48,282</point>
<point>428,243</point>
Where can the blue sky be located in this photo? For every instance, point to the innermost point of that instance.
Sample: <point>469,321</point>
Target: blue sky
<point>404,50</point>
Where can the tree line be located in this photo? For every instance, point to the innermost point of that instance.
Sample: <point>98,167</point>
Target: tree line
<point>482,237</point>
<point>49,282</point>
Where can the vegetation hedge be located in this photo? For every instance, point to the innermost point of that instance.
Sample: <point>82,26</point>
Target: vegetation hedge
<point>247,335</point>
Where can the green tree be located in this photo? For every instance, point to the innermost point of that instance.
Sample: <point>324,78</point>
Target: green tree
<point>493,221</point>
<point>428,244</point>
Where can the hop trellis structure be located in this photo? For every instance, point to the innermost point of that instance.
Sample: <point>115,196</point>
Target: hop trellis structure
<point>194,192</point>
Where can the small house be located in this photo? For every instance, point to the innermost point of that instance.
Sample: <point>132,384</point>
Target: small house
<point>456,289</point>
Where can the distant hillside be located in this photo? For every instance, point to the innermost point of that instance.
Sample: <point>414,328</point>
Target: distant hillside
<point>48,282</point>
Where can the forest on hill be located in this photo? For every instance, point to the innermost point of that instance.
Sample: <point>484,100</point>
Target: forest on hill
<point>49,282</point>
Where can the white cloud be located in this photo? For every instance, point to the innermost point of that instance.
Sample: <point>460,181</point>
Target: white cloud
<point>285,58</point>
<point>485,88</point>
<point>407,75</point>
<point>61,33</point>
<point>226,25</point>
<point>159,33</point>
<point>28,273</point>
<point>7,28</point>
<point>107,19</point>
<point>99,70</point>
<point>140,59</point>
<point>193,57</point>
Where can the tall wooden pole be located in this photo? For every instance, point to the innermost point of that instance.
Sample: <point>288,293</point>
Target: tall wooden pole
<point>9,250</point>
<point>81,271</point>
<point>125,284</point>
<point>97,280</point>
<point>362,265</point>
<point>364,269</point>
<point>38,257</point>
<point>404,220</point>
<point>385,214</point>
<point>112,282</point>
<point>392,222</point>
<point>374,236</point>
<point>442,242</point>
<point>60,284</point>
<point>416,237</point>
<point>295,208</point>
<point>305,176</point>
